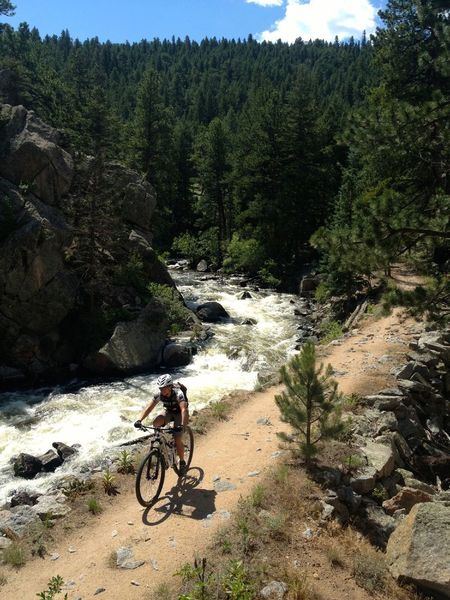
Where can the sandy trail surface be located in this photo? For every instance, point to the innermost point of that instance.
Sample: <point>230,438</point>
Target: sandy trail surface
<point>234,454</point>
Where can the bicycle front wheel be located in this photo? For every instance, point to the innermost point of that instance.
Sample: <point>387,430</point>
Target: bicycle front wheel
<point>188,443</point>
<point>150,478</point>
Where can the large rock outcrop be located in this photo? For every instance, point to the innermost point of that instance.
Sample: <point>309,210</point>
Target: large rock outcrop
<point>43,294</point>
<point>418,550</point>
<point>32,156</point>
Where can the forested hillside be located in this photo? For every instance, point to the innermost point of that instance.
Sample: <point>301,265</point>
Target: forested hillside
<point>252,147</point>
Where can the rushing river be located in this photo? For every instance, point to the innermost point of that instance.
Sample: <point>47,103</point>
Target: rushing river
<point>99,417</point>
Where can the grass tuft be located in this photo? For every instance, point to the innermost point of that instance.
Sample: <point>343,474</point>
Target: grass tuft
<point>14,555</point>
<point>94,506</point>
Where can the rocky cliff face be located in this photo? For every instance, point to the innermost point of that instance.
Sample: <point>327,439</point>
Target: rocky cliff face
<point>42,296</point>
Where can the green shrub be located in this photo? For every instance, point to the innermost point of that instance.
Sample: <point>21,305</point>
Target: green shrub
<point>332,330</point>
<point>54,587</point>
<point>266,275</point>
<point>77,487</point>
<point>321,293</point>
<point>236,583</point>
<point>126,463</point>
<point>94,506</point>
<point>379,493</point>
<point>194,248</point>
<point>189,247</point>
<point>108,481</point>
<point>244,255</point>
<point>354,462</point>
<point>177,313</point>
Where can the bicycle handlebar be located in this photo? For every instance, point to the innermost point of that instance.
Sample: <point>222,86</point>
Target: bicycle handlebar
<point>163,429</point>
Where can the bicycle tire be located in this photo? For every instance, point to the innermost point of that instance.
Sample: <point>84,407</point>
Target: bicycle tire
<point>150,478</point>
<point>188,449</point>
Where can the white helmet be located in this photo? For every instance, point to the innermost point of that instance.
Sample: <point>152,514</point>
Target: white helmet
<point>164,380</point>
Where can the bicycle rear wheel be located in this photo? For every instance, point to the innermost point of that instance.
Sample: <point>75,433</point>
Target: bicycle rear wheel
<point>150,478</point>
<point>188,442</point>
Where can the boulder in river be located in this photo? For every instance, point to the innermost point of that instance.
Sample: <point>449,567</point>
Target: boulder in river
<point>211,312</point>
<point>134,345</point>
<point>176,355</point>
<point>202,266</point>
<point>50,461</point>
<point>23,497</point>
<point>26,466</point>
<point>64,451</point>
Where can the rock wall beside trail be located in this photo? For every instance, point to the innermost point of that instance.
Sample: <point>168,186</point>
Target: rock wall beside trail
<point>400,493</point>
<point>44,302</point>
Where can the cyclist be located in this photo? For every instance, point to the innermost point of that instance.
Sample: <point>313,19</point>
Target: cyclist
<point>176,410</point>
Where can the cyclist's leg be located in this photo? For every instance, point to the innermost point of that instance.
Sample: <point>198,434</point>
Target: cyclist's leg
<point>178,436</point>
<point>159,421</point>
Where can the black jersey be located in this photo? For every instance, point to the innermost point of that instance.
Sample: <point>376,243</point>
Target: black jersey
<point>172,402</point>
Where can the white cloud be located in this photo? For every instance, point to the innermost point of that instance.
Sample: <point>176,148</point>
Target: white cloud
<point>323,19</point>
<point>266,2</point>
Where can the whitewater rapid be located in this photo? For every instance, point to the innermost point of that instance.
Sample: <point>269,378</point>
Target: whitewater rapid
<point>99,417</point>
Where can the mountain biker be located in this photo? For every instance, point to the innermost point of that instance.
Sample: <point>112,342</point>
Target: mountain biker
<point>176,410</point>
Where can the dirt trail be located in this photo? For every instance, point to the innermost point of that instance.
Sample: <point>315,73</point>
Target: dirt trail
<point>186,518</point>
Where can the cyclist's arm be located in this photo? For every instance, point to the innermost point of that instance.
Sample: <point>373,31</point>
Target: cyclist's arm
<point>148,410</point>
<point>184,413</point>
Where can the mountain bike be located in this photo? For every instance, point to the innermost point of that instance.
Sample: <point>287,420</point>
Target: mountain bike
<point>162,455</point>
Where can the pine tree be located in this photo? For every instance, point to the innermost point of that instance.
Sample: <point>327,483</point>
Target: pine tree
<point>6,8</point>
<point>310,403</point>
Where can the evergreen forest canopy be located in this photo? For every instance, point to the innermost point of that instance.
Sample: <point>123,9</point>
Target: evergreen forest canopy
<point>257,150</point>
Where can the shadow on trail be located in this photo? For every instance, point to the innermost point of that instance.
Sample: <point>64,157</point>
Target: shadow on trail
<point>184,499</point>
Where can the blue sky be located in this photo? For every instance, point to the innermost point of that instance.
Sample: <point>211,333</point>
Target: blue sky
<point>134,20</point>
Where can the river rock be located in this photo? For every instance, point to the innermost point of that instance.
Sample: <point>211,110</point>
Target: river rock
<point>418,550</point>
<point>202,266</point>
<point>406,499</point>
<point>26,466</point>
<point>50,461</point>
<point>18,520</point>
<point>23,498</point>
<point>210,312</point>
<point>134,345</point>
<point>176,355</point>
<point>51,507</point>
<point>245,295</point>
<point>64,451</point>
<point>308,285</point>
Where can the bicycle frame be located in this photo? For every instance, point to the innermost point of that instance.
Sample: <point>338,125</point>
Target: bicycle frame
<point>166,444</point>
